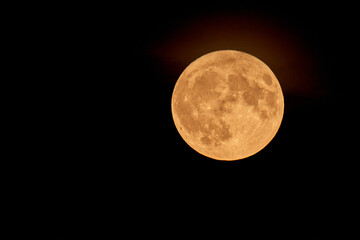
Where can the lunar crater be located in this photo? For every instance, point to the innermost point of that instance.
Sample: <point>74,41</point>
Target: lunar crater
<point>267,79</point>
<point>237,82</point>
<point>215,132</point>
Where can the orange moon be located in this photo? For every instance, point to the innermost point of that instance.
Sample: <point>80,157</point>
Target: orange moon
<point>227,105</point>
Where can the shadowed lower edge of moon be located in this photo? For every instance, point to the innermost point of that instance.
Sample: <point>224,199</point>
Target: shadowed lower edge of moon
<point>209,132</point>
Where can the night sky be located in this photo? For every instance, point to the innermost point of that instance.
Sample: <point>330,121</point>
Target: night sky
<point>106,159</point>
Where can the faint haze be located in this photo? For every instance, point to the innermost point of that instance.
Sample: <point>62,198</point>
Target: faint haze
<point>286,53</point>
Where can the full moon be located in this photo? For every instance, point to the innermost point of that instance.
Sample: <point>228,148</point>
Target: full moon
<point>227,105</point>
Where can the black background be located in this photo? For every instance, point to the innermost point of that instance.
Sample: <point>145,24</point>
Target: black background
<point>106,160</point>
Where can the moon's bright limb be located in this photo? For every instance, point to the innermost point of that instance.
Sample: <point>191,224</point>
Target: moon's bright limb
<point>227,105</point>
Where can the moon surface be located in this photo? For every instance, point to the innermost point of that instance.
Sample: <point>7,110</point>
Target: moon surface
<point>227,105</point>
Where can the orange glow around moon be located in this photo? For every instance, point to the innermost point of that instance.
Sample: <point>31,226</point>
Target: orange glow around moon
<point>227,105</point>
<point>283,49</point>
